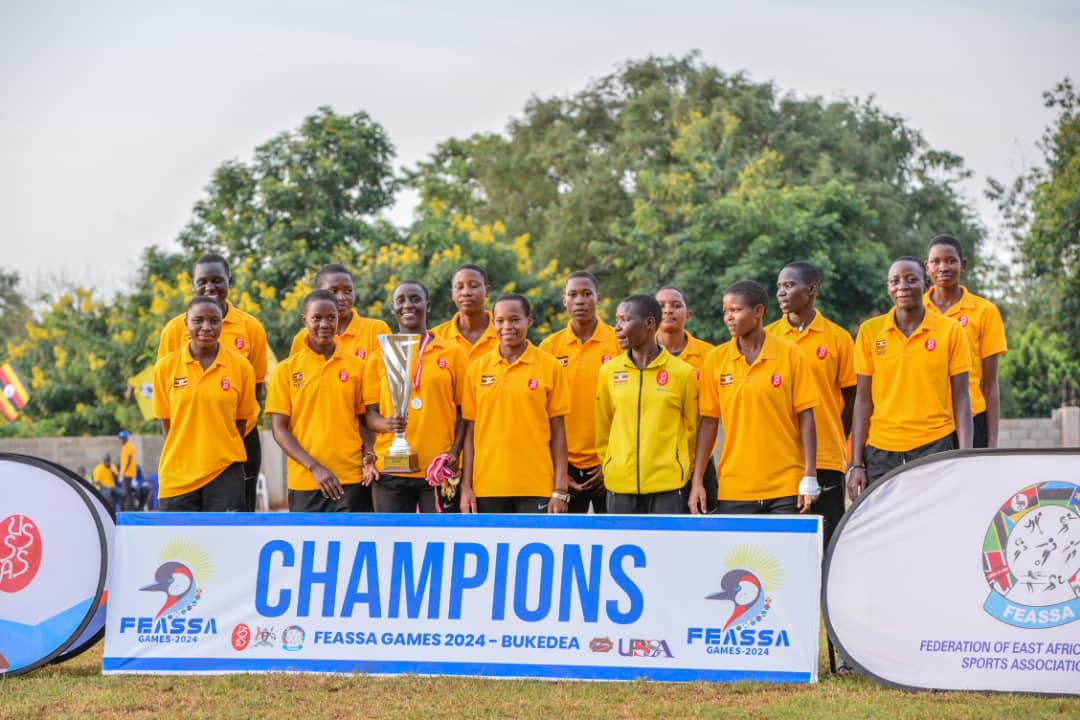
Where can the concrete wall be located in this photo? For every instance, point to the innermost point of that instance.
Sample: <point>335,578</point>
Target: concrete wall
<point>72,452</point>
<point>1061,429</point>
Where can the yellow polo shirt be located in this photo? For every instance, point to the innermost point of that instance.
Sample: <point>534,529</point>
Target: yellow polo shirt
<point>323,400</point>
<point>644,421</point>
<point>488,341</point>
<point>829,353</point>
<point>127,451</point>
<point>981,321</point>
<point>105,475</point>
<point>360,339</point>
<point>240,331</point>
<point>430,431</point>
<point>202,407</point>
<point>911,389</point>
<point>511,407</point>
<point>582,364</point>
<point>758,405</point>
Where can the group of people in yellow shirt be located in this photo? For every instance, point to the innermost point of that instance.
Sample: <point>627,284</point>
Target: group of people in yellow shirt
<point>619,419</point>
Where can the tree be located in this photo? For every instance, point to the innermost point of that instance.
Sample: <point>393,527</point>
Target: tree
<point>574,171</point>
<point>13,308</point>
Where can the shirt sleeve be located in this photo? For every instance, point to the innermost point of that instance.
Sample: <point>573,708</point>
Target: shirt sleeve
<point>864,361</point>
<point>804,393</point>
<point>992,342</point>
<point>558,401</point>
<point>708,400</point>
<point>845,359</point>
<point>259,350</point>
<point>959,350</point>
<point>604,412</point>
<point>278,397</point>
<point>162,387</point>
<point>373,379</point>
<point>247,407</point>
<point>468,398</point>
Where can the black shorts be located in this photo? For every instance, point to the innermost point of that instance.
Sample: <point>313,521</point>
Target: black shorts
<point>225,493</point>
<point>401,494</point>
<point>879,462</point>
<point>668,502</point>
<point>508,505</point>
<point>787,505</point>
<point>253,446</point>
<point>830,504</point>
<point>356,498</point>
<point>581,502</point>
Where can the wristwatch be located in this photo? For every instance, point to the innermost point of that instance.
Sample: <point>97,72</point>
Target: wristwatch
<point>564,496</point>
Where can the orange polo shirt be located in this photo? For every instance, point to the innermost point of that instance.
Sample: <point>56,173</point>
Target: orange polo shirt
<point>127,459</point>
<point>488,341</point>
<point>694,353</point>
<point>829,353</point>
<point>985,332</point>
<point>430,431</point>
<point>911,386</point>
<point>360,339</point>
<point>240,331</point>
<point>582,363</point>
<point>323,400</point>
<point>105,475</point>
<point>202,407</point>
<point>511,407</point>
<point>758,405</point>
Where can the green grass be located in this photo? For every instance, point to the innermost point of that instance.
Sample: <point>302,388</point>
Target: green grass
<point>76,689</point>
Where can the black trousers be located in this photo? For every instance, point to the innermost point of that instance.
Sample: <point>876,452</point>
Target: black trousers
<point>516,505</point>
<point>879,462</point>
<point>225,493</point>
<point>668,502</point>
<point>354,499</point>
<point>830,504</point>
<point>401,494</point>
<point>253,446</point>
<point>581,502</point>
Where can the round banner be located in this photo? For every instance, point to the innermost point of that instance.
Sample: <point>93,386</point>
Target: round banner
<point>96,629</point>
<point>52,562</point>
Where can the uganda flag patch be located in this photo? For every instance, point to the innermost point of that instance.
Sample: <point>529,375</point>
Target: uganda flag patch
<point>726,379</point>
<point>620,377</point>
<point>487,380</point>
<point>15,391</point>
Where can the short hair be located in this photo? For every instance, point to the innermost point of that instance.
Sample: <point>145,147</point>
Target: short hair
<point>807,272</point>
<point>911,258</point>
<point>417,283</point>
<point>645,306</point>
<point>676,289</point>
<point>201,300</point>
<point>586,275</point>
<point>316,295</point>
<point>208,258</point>
<point>474,268</point>
<point>749,290</point>
<point>332,269</point>
<point>949,240</point>
<point>514,297</point>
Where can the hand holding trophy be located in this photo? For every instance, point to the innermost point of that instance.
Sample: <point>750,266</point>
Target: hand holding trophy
<point>397,354</point>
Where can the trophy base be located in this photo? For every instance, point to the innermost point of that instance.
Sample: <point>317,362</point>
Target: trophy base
<point>401,463</point>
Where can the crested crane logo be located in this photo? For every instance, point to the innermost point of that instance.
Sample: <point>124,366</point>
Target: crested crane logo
<point>745,598</point>
<point>1031,557</point>
<point>177,590</point>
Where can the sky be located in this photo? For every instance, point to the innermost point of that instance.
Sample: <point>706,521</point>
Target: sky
<point>113,115</point>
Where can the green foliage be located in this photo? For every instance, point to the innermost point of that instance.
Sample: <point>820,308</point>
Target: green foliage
<point>1038,374</point>
<point>13,308</point>
<point>638,157</point>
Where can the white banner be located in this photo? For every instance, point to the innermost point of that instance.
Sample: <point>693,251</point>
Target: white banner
<point>962,571</point>
<point>588,597</point>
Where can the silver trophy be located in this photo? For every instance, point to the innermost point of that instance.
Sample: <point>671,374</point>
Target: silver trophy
<point>397,353</point>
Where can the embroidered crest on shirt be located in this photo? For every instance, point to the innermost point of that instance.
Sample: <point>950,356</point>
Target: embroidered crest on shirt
<point>225,384</point>
<point>662,378</point>
<point>930,344</point>
<point>822,352</point>
<point>726,380</point>
<point>879,347</point>
<point>487,380</point>
<point>297,380</point>
<point>620,378</point>
<point>776,381</point>
<point>533,383</point>
<point>564,360</point>
<point>239,342</point>
<point>179,382</point>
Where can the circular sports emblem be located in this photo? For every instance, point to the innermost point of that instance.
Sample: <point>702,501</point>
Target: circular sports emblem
<point>822,352</point>
<point>239,343</point>
<point>963,321</point>
<point>343,376</point>
<point>292,638</point>
<point>604,359</point>
<point>20,552</point>
<point>777,381</point>
<point>241,637</point>
<point>662,378</point>
<point>442,363</point>
<point>930,344</point>
<point>225,384</point>
<point>1031,557</point>
<point>361,353</point>
<point>533,383</point>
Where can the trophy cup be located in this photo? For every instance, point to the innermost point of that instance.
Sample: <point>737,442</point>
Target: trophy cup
<point>397,353</point>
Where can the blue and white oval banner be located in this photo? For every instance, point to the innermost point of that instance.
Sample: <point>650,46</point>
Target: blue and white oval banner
<point>52,562</point>
<point>961,571</point>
